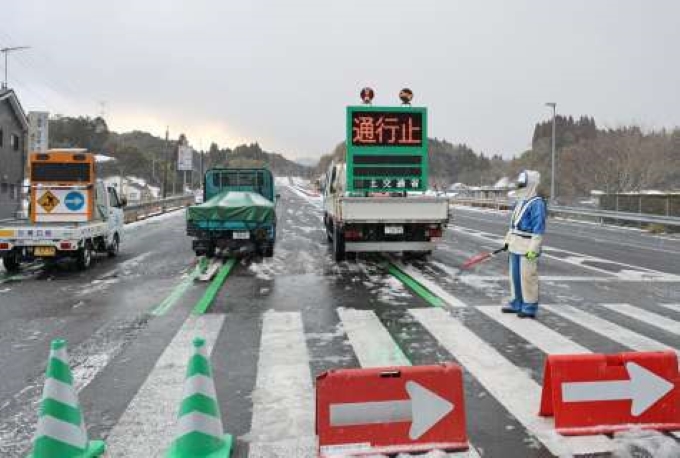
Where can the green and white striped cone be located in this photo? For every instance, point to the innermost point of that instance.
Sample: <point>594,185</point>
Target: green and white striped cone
<point>199,427</point>
<point>61,429</point>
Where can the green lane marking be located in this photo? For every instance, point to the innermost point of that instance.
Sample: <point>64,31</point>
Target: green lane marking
<point>214,288</point>
<point>414,286</point>
<point>176,293</point>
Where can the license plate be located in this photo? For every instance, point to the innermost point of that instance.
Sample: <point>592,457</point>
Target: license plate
<point>394,230</point>
<point>44,251</point>
<point>241,236</point>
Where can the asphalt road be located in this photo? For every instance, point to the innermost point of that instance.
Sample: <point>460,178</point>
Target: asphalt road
<point>278,323</point>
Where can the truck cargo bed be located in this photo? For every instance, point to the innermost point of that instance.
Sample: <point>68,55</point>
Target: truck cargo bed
<point>413,209</point>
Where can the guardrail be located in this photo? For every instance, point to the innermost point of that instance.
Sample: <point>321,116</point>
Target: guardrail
<point>145,209</point>
<point>579,212</point>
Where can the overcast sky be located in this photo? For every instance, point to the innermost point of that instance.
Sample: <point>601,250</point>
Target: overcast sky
<point>281,72</point>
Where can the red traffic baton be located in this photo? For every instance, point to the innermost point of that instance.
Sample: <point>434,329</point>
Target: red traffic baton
<point>479,258</point>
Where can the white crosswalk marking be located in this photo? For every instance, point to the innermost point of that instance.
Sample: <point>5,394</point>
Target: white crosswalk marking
<point>673,307</point>
<point>434,288</point>
<point>283,400</point>
<point>612,331</point>
<point>545,339</point>
<point>372,344</point>
<point>374,347</point>
<point>509,384</point>
<point>146,428</point>
<point>654,319</point>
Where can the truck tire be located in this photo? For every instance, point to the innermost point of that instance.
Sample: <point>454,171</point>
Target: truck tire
<point>84,257</point>
<point>327,225</point>
<point>114,248</point>
<point>338,244</point>
<point>268,251</point>
<point>11,262</point>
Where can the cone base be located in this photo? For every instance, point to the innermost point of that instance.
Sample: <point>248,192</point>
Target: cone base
<point>94,449</point>
<point>224,452</point>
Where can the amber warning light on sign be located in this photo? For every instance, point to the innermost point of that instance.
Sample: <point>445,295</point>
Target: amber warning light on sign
<point>376,128</point>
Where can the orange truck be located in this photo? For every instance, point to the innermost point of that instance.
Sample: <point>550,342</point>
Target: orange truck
<point>71,213</point>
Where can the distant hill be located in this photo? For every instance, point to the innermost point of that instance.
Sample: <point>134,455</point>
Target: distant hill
<point>145,155</point>
<point>448,164</point>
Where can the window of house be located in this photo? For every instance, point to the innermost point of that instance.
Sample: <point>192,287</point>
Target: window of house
<point>1,139</point>
<point>12,192</point>
<point>14,142</point>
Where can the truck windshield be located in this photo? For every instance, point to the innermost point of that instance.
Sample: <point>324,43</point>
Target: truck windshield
<point>258,181</point>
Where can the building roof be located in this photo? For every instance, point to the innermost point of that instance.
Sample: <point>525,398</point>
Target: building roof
<point>9,95</point>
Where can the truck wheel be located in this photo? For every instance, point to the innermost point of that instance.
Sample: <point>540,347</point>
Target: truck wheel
<point>84,257</point>
<point>338,244</point>
<point>114,248</point>
<point>210,252</point>
<point>11,262</point>
<point>268,251</point>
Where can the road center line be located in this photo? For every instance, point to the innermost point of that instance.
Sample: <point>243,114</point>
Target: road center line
<point>147,427</point>
<point>435,289</point>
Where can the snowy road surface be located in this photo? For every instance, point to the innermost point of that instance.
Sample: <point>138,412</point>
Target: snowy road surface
<point>277,323</point>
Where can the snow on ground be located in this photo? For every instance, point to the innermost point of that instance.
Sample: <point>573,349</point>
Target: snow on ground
<point>153,219</point>
<point>103,158</point>
<point>640,443</point>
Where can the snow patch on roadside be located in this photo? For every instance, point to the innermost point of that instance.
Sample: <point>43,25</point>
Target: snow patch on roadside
<point>154,219</point>
<point>641,443</point>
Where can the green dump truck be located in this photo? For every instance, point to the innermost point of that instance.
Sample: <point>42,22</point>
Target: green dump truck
<point>238,213</point>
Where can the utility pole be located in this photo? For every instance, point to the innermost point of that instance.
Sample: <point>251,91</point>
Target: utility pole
<point>553,196</point>
<point>6,51</point>
<point>165,164</point>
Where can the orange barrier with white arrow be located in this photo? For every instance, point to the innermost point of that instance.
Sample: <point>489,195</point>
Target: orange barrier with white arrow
<point>390,410</point>
<point>595,393</point>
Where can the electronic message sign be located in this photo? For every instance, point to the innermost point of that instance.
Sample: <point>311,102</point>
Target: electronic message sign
<point>386,149</point>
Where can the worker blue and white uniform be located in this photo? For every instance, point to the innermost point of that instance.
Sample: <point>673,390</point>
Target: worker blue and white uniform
<point>524,240</point>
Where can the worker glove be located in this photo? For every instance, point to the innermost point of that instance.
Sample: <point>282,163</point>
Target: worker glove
<point>531,255</point>
<point>506,246</point>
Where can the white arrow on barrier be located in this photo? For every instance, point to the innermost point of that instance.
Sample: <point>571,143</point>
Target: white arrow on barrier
<point>644,388</point>
<point>424,410</point>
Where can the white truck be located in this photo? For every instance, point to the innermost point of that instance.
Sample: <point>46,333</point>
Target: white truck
<point>374,200</point>
<point>381,222</point>
<point>72,214</point>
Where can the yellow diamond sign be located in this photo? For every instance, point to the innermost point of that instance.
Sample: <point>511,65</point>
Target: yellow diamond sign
<point>48,201</point>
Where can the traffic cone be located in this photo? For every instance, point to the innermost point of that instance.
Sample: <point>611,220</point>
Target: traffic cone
<point>199,426</point>
<point>61,429</point>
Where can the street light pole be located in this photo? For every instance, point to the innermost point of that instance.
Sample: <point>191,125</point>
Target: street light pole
<point>553,196</point>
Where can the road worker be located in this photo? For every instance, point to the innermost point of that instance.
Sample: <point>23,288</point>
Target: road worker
<point>523,241</point>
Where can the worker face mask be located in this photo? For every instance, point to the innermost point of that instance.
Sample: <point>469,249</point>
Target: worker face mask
<point>522,180</point>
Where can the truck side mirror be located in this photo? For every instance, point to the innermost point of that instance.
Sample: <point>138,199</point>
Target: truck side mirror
<point>278,196</point>
<point>123,202</point>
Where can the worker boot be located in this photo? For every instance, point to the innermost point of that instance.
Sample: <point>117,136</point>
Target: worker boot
<point>528,311</point>
<point>512,307</point>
